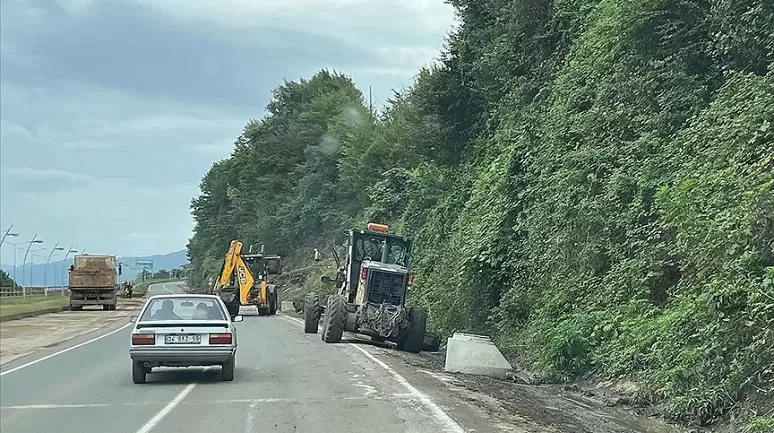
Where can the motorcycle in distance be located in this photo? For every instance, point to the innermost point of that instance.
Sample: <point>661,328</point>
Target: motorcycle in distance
<point>128,290</point>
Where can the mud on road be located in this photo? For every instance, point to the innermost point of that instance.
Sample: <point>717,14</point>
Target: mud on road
<point>515,407</point>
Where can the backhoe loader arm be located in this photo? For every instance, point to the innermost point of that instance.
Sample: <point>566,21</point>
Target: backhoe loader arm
<point>245,280</point>
<point>229,264</point>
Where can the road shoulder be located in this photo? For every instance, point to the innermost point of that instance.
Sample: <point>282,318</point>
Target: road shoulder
<point>22,339</point>
<point>485,403</point>
<point>25,338</point>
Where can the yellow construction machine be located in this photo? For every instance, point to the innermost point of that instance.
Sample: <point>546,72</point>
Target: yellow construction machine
<point>244,280</point>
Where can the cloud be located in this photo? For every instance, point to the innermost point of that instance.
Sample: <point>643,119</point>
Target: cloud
<point>27,173</point>
<point>384,19</point>
<point>219,149</point>
<point>101,216</point>
<point>111,111</point>
<point>120,44</point>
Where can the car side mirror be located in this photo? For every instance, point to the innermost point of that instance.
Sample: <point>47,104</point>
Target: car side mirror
<point>238,318</point>
<point>132,319</point>
<point>328,281</point>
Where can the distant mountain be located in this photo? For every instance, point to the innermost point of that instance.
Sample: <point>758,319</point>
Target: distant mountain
<point>56,271</point>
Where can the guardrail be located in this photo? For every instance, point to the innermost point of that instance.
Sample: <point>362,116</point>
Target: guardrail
<point>13,292</point>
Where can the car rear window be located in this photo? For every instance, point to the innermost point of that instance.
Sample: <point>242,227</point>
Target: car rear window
<point>183,309</point>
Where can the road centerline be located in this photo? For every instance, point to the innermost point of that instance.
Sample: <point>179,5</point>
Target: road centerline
<point>153,422</point>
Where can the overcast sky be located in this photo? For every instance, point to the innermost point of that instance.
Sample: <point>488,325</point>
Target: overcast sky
<point>113,110</point>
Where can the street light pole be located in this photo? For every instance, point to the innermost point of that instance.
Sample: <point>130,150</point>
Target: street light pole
<point>34,240</point>
<point>32,263</point>
<point>64,261</point>
<point>48,260</point>
<point>5,235</point>
<point>15,246</point>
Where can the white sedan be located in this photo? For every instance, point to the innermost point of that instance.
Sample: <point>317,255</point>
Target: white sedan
<point>183,330</point>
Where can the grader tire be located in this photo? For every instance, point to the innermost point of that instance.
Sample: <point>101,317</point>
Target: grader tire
<point>335,319</point>
<point>273,303</point>
<point>311,313</point>
<point>415,334</point>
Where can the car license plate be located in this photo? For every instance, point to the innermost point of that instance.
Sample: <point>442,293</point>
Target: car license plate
<point>183,339</point>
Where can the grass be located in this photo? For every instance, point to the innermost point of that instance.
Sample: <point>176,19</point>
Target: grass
<point>30,304</point>
<point>761,425</point>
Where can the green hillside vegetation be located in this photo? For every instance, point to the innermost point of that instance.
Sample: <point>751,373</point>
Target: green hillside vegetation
<point>591,182</point>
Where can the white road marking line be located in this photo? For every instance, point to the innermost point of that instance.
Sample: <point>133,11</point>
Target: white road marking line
<point>250,401</point>
<point>56,406</point>
<point>11,370</point>
<point>164,286</point>
<point>153,422</point>
<point>448,423</point>
<point>250,417</point>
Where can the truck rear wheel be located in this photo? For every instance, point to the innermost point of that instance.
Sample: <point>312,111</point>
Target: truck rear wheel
<point>335,319</point>
<point>414,338</point>
<point>311,313</point>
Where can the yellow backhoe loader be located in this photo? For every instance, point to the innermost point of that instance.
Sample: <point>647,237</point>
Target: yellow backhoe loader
<point>244,280</point>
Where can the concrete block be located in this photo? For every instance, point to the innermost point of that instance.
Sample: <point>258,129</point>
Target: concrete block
<point>287,306</point>
<point>475,354</point>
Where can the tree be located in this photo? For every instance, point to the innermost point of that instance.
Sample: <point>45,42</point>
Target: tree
<point>6,280</point>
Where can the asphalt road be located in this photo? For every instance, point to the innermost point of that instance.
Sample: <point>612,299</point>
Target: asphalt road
<point>285,381</point>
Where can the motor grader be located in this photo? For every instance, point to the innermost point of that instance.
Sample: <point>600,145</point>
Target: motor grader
<point>243,280</point>
<point>371,294</point>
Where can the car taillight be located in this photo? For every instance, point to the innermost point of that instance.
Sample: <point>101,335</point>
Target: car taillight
<point>410,279</point>
<point>363,273</point>
<point>220,338</point>
<point>143,339</point>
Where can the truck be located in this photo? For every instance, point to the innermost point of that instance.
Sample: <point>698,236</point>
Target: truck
<point>243,280</point>
<point>93,280</point>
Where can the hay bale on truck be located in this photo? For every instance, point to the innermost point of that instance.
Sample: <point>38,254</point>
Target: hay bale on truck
<point>94,281</point>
